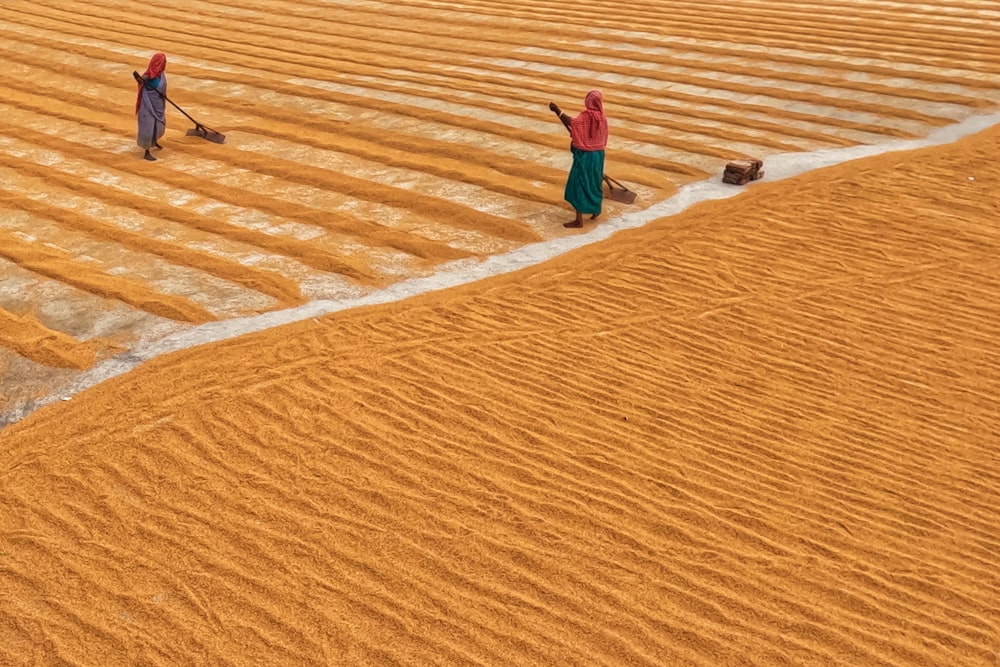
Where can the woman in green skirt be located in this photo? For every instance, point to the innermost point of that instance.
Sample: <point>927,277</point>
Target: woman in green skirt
<point>589,133</point>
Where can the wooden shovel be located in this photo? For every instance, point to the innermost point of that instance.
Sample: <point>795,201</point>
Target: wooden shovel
<point>198,130</point>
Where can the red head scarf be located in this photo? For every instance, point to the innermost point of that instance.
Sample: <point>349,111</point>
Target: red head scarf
<point>157,64</point>
<point>590,129</point>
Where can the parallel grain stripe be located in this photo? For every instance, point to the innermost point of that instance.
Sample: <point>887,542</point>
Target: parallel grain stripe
<point>65,268</point>
<point>30,338</point>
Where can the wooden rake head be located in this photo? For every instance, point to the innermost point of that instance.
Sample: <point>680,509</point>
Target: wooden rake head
<point>618,192</point>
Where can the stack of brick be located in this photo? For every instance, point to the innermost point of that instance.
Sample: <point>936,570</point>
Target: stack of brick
<point>741,172</point>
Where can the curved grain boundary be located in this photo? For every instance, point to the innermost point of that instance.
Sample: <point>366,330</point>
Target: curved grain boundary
<point>63,267</point>
<point>34,341</point>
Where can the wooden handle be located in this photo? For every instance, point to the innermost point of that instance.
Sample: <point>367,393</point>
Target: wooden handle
<point>611,180</point>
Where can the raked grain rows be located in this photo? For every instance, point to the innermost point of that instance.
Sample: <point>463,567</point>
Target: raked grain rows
<point>373,141</point>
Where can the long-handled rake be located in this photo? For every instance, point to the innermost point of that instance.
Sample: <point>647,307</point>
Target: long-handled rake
<point>198,130</point>
<point>620,193</point>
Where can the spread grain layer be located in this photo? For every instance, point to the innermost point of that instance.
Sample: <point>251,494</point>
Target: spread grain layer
<point>763,431</point>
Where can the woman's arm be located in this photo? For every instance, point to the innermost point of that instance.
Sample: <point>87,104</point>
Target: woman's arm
<point>559,112</point>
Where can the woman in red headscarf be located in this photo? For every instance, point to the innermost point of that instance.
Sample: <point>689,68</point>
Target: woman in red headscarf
<point>589,133</point>
<point>150,105</point>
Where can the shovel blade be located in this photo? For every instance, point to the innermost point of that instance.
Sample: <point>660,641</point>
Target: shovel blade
<point>621,195</point>
<point>207,134</point>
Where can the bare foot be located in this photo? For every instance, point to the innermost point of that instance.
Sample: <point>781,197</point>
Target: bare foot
<point>149,156</point>
<point>157,146</point>
<point>573,224</point>
<point>594,217</point>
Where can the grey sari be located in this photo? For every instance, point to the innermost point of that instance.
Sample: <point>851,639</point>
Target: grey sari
<point>152,115</point>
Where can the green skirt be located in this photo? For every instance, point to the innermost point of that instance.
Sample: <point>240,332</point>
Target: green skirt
<point>585,185</point>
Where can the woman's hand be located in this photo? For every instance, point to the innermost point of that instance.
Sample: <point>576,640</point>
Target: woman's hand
<point>554,108</point>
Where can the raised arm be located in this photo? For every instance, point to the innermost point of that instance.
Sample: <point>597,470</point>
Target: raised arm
<point>559,112</point>
<point>142,80</point>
